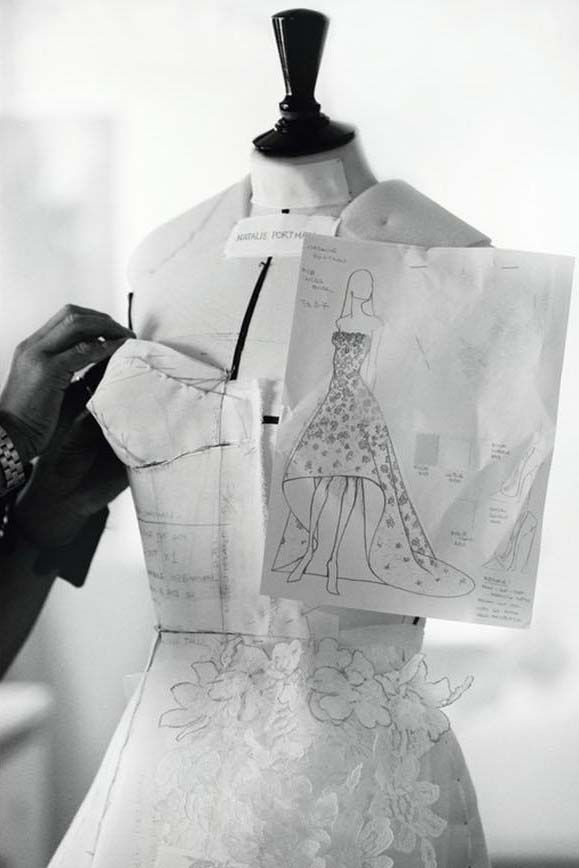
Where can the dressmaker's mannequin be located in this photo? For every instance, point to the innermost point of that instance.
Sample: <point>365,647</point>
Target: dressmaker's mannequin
<point>190,297</point>
<point>238,747</point>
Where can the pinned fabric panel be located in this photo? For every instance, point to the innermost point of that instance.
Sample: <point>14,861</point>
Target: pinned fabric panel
<point>155,404</point>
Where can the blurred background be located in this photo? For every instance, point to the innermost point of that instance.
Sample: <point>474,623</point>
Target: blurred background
<point>115,115</point>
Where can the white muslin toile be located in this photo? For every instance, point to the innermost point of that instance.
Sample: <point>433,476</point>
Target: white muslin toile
<point>262,733</point>
<point>420,408</point>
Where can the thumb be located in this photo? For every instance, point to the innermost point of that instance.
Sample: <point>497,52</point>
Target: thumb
<point>86,353</point>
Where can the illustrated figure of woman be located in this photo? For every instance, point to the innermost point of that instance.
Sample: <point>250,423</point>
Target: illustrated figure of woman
<point>343,482</point>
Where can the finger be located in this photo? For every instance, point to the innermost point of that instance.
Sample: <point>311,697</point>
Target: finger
<point>67,311</point>
<point>81,326</point>
<point>85,353</point>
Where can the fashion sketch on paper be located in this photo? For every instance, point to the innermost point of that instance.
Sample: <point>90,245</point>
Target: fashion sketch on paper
<point>350,515</point>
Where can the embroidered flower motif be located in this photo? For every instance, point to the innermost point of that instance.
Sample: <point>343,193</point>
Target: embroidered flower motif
<point>238,686</point>
<point>236,689</point>
<point>375,837</point>
<point>415,703</point>
<point>187,778</point>
<point>285,660</point>
<point>346,687</point>
<point>360,842</point>
<point>192,713</point>
<point>297,825</point>
<point>406,801</point>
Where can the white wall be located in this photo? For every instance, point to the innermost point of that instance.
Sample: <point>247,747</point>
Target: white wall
<point>476,105</point>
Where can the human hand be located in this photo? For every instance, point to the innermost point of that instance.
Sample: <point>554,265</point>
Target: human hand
<point>43,364</point>
<point>74,479</point>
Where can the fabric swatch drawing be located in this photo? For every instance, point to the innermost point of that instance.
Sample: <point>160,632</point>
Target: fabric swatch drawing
<point>345,450</point>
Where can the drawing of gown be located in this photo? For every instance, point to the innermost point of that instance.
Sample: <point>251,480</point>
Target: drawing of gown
<point>348,436</point>
<point>263,734</point>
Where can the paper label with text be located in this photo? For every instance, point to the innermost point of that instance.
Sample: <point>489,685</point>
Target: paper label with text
<point>275,234</point>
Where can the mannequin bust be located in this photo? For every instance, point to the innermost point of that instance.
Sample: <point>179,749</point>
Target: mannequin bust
<point>191,297</point>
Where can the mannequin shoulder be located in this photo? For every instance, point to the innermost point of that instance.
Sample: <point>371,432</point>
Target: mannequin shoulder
<point>174,239</point>
<point>395,212</point>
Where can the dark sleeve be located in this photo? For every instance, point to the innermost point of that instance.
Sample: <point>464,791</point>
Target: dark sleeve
<point>72,561</point>
<point>23,593</point>
<point>27,574</point>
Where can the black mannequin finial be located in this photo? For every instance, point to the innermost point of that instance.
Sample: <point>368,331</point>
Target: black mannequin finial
<point>302,129</point>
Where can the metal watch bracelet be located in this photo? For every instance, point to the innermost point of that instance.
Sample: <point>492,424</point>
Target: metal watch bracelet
<point>11,466</point>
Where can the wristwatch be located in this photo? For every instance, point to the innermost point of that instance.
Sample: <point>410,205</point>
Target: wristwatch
<point>10,464</point>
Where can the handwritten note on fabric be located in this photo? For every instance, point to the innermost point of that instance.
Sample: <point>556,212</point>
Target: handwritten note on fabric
<point>420,407</point>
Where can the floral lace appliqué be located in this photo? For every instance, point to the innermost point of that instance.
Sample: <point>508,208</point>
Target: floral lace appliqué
<point>302,755</point>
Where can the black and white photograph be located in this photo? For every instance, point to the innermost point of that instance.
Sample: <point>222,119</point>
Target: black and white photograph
<point>289,477</point>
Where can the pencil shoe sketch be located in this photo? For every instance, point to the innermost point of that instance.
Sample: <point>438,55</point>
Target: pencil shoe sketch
<point>517,485</point>
<point>515,554</point>
<point>350,515</point>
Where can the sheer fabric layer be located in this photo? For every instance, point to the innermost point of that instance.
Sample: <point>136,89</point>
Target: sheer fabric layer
<point>254,752</point>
